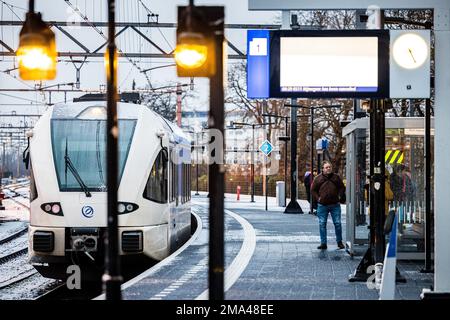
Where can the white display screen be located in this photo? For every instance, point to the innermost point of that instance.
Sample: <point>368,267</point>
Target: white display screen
<point>329,64</point>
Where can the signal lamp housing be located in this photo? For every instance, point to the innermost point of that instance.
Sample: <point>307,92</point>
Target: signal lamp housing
<point>37,49</point>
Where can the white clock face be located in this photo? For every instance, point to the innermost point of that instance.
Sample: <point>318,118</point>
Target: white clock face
<point>410,51</point>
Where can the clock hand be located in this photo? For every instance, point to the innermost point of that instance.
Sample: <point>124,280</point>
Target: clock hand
<point>410,52</point>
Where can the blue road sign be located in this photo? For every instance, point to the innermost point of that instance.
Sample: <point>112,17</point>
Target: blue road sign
<point>266,147</point>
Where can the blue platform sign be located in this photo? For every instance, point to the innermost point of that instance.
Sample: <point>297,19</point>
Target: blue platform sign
<point>258,64</point>
<point>322,144</point>
<point>266,147</point>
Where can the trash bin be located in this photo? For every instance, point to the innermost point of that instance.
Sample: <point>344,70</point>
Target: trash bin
<point>280,192</point>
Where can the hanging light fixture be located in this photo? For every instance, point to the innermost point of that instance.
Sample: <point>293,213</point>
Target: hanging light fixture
<point>37,48</point>
<point>194,52</point>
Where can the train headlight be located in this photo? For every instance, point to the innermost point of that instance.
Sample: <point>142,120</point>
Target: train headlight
<point>52,208</point>
<point>126,207</point>
<point>121,208</point>
<point>56,208</point>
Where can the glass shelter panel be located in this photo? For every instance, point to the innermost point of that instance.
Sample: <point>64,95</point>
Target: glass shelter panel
<point>405,187</point>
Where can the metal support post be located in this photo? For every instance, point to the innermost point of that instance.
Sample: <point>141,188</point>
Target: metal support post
<point>375,252</point>
<point>112,278</point>
<point>252,165</point>
<point>428,209</point>
<point>311,207</point>
<point>265,164</point>
<point>216,170</point>
<point>293,206</point>
<point>377,185</point>
<point>285,161</point>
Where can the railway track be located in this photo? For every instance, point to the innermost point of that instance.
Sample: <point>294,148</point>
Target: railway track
<point>25,273</point>
<point>14,235</point>
<point>18,278</point>
<point>13,188</point>
<point>15,254</point>
<point>18,202</point>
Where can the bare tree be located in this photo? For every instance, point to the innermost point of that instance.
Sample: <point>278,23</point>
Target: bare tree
<point>164,101</point>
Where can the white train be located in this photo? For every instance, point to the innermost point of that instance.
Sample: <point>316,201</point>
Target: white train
<point>68,187</point>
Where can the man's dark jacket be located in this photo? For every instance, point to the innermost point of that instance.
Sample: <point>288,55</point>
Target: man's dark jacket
<point>327,189</point>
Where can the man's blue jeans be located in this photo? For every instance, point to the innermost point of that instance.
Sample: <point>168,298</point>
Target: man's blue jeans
<point>322,214</point>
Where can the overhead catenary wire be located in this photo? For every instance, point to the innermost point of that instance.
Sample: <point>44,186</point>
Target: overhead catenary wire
<point>126,78</point>
<point>83,14</point>
<point>151,15</point>
<point>15,77</point>
<point>100,32</point>
<point>20,98</point>
<point>148,48</point>
<point>11,8</point>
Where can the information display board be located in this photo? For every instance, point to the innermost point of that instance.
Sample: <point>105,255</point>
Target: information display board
<point>329,64</point>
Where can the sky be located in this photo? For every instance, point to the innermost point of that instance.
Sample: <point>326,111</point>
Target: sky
<point>92,72</point>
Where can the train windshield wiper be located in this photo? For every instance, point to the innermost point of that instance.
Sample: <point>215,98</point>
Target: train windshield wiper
<point>69,164</point>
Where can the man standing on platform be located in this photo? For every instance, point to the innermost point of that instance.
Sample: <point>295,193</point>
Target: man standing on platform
<point>329,192</point>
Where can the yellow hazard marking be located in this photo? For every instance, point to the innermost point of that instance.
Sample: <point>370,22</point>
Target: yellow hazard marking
<point>387,155</point>
<point>400,160</point>
<point>394,156</point>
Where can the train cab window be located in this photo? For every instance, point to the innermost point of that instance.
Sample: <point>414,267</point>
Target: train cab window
<point>156,187</point>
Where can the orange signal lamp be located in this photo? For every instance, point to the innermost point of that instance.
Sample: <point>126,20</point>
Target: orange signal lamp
<point>37,49</point>
<point>191,51</point>
<point>195,50</point>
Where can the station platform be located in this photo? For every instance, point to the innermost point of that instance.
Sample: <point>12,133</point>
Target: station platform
<point>269,256</point>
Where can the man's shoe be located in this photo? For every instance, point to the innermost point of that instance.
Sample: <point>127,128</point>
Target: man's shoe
<point>340,245</point>
<point>322,247</point>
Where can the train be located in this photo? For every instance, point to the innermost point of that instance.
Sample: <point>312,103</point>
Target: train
<point>67,158</point>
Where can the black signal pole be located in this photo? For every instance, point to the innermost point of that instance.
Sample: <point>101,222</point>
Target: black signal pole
<point>428,209</point>
<point>253,165</point>
<point>293,206</point>
<point>285,160</point>
<point>203,26</point>
<point>216,170</point>
<point>377,169</point>
<point>311,206</point>
<point>375,252</point>
<point>112,278</point>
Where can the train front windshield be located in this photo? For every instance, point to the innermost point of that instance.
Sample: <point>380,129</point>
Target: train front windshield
<point>79,147</point>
